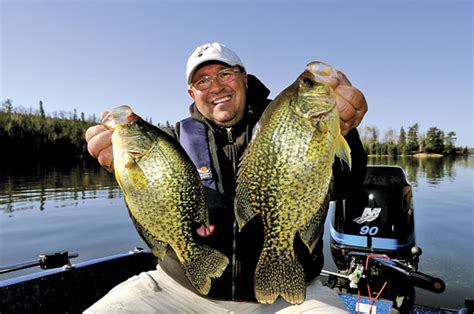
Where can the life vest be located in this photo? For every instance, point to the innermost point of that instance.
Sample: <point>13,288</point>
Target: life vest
<point>193,138</point>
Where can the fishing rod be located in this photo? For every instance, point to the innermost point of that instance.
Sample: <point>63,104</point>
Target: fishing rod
<point>45,261</point>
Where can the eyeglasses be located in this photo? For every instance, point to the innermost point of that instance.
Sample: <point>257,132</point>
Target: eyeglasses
<point>223,77</point>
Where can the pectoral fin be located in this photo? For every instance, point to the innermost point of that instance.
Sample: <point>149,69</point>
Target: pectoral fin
<point>135,174</point>
<point>343,151</point>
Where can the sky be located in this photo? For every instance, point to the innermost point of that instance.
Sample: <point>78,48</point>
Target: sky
<point>412,59</point>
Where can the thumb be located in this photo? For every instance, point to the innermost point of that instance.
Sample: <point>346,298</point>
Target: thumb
<point>339,80</point>
<point>343,80</point>
<point>205,232</point>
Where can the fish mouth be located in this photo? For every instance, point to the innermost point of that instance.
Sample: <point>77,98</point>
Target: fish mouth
<point>119,116</point>
<point>322,72</point>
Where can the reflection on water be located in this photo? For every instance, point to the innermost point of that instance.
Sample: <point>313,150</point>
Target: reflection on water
<point>75,208</point>
<point>433,170</point>
<point>40,188</point>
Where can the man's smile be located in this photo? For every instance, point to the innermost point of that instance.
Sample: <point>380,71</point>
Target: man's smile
<point>220,100</point>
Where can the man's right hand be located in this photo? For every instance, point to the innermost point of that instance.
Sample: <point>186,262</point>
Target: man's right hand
<point>99,144</point>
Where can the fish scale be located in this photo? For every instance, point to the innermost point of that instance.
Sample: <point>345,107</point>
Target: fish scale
<point>285,176</point>
<point>164,194</point>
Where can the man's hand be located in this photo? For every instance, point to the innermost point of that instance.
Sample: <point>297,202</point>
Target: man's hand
<point>350,102</point>
<point>99,144</point>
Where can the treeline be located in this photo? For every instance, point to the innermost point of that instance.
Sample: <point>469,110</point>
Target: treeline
<point>31,134</point>
<point>27,133</point>
<point>410,142</point>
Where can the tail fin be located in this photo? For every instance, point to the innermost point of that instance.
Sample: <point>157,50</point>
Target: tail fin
<point>278,274</point>
<point>204,263</point>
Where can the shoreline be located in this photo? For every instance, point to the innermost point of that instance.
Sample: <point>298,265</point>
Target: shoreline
<point>417,155</point>
<point>427,155</point>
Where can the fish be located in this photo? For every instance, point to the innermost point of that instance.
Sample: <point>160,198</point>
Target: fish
<point>285,175</point>
<point>163,193</point>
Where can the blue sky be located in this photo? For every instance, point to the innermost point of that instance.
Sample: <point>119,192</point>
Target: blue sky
<point>412,59</point>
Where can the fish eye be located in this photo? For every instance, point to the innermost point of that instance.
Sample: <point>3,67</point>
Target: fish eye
<point>309,82</point>
<point>135,122</point>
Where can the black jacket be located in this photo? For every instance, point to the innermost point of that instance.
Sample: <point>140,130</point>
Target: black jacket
<point>243,248</point>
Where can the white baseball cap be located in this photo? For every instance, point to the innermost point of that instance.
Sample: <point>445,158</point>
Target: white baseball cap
<point>211,52</point>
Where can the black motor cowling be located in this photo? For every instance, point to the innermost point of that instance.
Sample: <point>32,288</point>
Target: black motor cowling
<point>383,223</point>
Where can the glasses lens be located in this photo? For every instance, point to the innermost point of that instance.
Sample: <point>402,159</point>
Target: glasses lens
<point>224,76</point>
<point>203,83</point>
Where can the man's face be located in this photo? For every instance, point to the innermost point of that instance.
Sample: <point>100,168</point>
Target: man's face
<point>224,104</point>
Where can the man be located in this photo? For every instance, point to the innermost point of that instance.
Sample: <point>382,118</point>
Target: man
<point>228,103</point>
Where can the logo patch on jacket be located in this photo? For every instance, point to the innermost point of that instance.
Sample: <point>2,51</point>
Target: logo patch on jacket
<point>205,172</point>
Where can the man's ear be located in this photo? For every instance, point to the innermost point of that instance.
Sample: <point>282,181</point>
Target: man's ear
<point>244,76</point>
<point>191,92</point>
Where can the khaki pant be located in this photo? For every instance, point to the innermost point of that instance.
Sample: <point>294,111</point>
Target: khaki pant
<point>156,292</point>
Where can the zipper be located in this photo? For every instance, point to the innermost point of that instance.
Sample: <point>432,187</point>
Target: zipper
<point>229,135</point>
<point>235,273</point>
<point>234,259</point>
<point>235,267</point>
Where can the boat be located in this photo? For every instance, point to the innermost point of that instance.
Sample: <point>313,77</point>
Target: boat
<point>372,244</point>
<point>64,287</point>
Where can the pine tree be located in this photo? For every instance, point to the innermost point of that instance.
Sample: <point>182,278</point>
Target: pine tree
<point>41,109</point>
<point>434,141</point>
<point>402,141</point>
<point>7,106</point>
<point>449,141</point>
<point>412,144</point>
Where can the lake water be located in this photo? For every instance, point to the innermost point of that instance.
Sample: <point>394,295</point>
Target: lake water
<point>80,209</point>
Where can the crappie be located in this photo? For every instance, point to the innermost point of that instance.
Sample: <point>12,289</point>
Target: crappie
<point>163,193</point>
<point>285,176</point>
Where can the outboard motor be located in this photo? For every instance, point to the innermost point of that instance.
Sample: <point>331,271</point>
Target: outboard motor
<point>373,244</point>
<point>385,225</point>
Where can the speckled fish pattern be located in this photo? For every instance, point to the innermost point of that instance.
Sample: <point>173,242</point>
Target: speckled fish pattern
<point>164,195</point>
<point>285,176</point>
